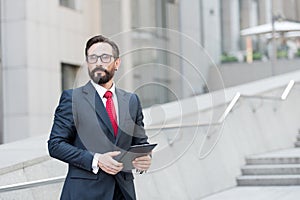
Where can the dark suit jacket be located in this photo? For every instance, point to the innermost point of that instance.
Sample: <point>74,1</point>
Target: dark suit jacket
<point>81,128</point>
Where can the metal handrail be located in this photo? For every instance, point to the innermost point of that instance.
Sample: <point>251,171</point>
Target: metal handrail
<point>59,179</point>
<point>173,126</point>
<point>283,96</point>
<point>31,184</point>
<point>234,100</point>
<point>221,120</point>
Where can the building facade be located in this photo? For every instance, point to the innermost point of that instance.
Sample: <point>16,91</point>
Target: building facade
<point>40,40</point>
<point>168,49</point>
<point>167,45</point>
<point>240,14</point>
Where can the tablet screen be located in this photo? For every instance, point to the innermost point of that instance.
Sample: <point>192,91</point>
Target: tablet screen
<point>134,152</point>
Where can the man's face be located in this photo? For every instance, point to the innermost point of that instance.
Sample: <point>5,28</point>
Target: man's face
<point>101,69</point>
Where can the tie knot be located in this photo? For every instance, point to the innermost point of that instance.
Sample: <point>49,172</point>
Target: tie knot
<point>108,94</point>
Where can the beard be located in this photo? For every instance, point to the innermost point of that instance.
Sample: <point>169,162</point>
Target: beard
<point>99,78</point>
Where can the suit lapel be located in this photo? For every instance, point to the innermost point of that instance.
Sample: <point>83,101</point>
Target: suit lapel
<point>95,101</point>
<point>123,106</point>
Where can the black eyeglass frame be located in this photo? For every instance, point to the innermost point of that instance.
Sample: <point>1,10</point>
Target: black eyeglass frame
<point>101,58</point>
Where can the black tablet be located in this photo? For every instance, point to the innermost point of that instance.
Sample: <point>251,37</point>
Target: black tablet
<point>134,152</point>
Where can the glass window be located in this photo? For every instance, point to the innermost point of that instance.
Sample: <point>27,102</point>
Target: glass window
<point>68,75</point>
<point>68,3</point>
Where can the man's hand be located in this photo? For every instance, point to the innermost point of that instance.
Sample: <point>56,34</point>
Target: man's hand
<point>108,164</point>
<point>142,163</point>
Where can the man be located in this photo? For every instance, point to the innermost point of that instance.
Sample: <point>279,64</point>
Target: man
<point>92,124</point>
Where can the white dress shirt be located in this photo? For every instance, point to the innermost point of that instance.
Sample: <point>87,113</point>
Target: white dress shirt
<point>101,91</point>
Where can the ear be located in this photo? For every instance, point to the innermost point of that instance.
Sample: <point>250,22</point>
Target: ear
<point>117,63</point>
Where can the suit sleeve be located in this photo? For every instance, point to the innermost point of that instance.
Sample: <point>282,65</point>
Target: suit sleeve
<point>63,135</point>
<point>139,136</point>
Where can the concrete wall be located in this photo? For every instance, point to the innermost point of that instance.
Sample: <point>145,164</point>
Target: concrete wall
<point>238,73</point>
<point>37,36</point>
<point>43,170</point>
<point>190,168</point>
<point>28,160</point>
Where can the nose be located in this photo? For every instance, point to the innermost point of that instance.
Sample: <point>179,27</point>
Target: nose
<point>99,62</point>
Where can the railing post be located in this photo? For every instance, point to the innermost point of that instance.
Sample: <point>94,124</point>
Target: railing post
<point>287,90</point>
<point>229,107</point>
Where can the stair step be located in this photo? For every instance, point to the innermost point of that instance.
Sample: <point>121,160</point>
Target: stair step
<point>287,169</point>
<point>270,180</point>
<point>272,160</point>
<point>297,144</point>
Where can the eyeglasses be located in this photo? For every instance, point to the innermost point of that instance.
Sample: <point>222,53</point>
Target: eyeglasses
<point>105,58</point>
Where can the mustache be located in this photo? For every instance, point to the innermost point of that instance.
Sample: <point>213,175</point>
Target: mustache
<point>99,69</point>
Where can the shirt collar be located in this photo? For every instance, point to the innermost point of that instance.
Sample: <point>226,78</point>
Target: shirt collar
<point>101,90</point>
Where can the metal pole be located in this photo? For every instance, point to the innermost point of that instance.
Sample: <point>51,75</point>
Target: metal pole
<point>1,82</point>
<point>127,42</point>
<point>274,46</point>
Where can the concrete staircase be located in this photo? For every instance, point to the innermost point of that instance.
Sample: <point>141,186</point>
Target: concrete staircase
<point>281,168</point>
<point>297,143</point>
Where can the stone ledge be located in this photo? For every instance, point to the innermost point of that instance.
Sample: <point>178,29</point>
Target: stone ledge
<point>23,153</point>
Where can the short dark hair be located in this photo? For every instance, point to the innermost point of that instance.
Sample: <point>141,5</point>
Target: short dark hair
<point>101,38</point>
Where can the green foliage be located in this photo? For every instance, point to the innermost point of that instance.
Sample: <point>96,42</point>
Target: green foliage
<point>282,54</point>
<point>257,56</point>
<point>227,58</point>
<point>298,53</point>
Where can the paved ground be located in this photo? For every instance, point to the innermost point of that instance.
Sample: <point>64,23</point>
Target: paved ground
<point>258,193</point>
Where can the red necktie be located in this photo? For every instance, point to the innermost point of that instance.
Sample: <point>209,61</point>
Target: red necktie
<point>111,111</point>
